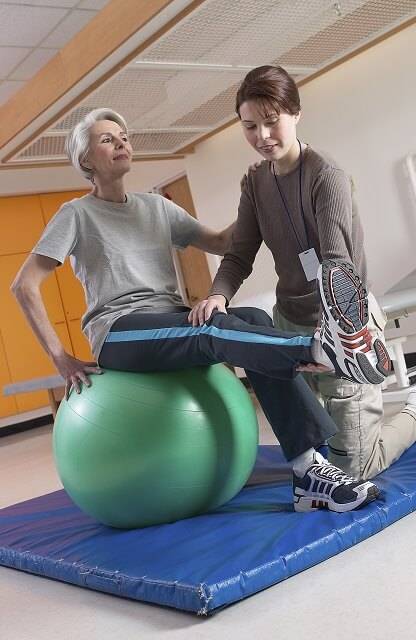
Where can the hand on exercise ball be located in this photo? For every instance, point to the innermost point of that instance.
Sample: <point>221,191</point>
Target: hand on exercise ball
<point>75,371</point>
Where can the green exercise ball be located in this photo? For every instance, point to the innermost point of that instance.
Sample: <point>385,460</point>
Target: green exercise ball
<point>137,449</point>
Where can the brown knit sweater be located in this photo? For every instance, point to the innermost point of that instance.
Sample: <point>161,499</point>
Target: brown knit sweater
<point>332,221</point>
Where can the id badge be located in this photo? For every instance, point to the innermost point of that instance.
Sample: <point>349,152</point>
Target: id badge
<point>310,264</point>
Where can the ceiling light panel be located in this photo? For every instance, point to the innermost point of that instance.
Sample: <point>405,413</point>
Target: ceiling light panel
<point>47,147</point>
<point>184,84</point>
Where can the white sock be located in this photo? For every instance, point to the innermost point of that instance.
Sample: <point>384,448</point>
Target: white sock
<point>318,354</point>
<point>411,402</point>
<point>302,463</point>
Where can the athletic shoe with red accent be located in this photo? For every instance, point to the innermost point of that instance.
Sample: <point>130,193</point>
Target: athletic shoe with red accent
<point>324,486</point>
<point>345,338</point>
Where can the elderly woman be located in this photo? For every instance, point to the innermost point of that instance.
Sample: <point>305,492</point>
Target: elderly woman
<point>120,246</point>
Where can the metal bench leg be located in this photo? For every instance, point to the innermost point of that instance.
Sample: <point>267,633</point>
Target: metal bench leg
<point>53,402</point>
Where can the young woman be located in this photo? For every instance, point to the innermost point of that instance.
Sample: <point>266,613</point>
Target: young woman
<point>300,203</point>
<point>121,250</point>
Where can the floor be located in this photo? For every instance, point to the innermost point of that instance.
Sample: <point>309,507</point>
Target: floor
<point>365,593</point>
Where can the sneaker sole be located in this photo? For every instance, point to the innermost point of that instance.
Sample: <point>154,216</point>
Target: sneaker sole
<point>342,289</point>
<point>346,301</point>
<point>306,504</point>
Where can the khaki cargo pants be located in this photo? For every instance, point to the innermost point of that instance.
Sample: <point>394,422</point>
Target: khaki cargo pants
<point>365,444</point>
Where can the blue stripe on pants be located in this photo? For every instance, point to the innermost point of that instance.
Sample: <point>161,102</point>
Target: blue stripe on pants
<point>225,334</point>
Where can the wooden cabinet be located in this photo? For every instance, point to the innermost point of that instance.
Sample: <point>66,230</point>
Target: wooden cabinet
<point>51,202</point>
<point>71,291</point>
<point>21,224</point>
<point>22,221</point>
<point>79,342</point>
<point>8,406</point>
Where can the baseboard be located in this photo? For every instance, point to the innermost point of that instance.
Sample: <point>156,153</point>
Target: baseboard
<point>18,424</point>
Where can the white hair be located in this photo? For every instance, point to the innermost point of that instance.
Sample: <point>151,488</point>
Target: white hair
<point>78,139</point>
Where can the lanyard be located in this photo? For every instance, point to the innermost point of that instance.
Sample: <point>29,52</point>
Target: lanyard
<point>301,203</point>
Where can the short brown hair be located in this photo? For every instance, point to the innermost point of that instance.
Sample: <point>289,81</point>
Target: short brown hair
<point>271,87</point>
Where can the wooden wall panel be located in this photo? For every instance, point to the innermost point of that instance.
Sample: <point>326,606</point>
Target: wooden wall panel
<point>80,343</point>
<point>21,224</point>
<point>30,361</point>
<point>51,202</point>
<point>8,406</point>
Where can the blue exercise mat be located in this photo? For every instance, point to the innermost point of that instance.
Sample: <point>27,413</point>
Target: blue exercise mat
<point>202,563</point>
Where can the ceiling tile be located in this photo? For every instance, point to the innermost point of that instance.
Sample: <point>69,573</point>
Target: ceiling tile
<point>26,26</point>
<point>93,4</point>
<point>68,28</point>
<point>8,88</point>
<point>35,61</point>
<point>10,57</point>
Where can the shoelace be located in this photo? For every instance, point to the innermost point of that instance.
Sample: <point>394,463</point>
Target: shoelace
<point>334,474</point>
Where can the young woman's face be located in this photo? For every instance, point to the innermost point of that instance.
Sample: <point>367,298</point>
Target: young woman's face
<point>273,135</point>
<point>109,153</point>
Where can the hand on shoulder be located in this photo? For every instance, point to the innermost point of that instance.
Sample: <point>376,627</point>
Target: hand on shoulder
<point>251,169</point>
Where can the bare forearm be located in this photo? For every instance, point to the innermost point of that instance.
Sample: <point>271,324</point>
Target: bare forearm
<point>32,306</point>
<point>216,242</point>
<point>225,236</point>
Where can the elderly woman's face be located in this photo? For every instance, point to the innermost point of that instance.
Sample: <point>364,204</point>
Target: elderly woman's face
<point>109,153</point>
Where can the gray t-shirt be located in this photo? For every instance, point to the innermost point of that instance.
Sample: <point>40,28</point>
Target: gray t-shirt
<point>121,254</point>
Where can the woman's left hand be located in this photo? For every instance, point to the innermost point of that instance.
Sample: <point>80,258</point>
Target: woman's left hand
<point>202,311</point>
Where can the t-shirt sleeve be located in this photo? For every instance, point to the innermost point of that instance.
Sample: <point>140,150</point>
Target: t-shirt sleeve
<point>183,227</point>
<point>333,205</point>
<point>60,235</point>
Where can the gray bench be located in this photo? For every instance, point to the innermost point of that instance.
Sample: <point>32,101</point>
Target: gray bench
<point>54,385</point>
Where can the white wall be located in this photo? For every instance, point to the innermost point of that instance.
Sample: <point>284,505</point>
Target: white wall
<point>142,177</point>
<point>362,114</point>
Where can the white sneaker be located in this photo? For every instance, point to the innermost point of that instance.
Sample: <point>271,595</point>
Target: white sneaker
<point>345,338</point>
<point>324,486</point>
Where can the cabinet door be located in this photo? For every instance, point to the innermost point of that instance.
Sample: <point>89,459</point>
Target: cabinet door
<point>72,293</point>
<point>34,364</point>
<point>80,343</point>
<point>8,405</point>
<point>21,224</point>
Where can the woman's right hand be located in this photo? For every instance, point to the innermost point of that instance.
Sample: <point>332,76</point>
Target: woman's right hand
<point>202,311</point>
<point>252,168</point>
<point>75,372</point>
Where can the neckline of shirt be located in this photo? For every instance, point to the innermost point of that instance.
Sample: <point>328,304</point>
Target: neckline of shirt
<point>109,203</point>
<point>305,150</point>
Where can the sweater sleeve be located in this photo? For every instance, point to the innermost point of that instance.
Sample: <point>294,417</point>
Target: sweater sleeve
<point>333,208</point>
<point>237,263</point>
